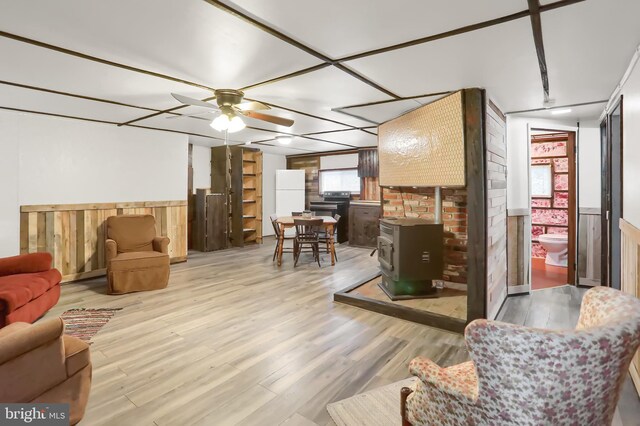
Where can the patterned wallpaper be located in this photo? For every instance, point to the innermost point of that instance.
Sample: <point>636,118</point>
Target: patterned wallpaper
<point>550,215</point>
<point>424,147</point>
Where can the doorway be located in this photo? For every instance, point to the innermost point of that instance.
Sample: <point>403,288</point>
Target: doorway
<point>553,208</point>
<point>611,151</point>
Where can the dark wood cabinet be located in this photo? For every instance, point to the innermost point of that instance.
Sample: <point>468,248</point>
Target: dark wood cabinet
<point>364,224</point>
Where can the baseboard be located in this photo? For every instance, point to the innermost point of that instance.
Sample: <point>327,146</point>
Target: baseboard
<point>518,289</point>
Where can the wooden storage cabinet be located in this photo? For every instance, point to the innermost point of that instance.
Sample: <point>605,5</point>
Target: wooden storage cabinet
<point>234,216</point>
<point>364,225</point>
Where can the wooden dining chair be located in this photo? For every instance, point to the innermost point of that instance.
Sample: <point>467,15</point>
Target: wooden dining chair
<point>307,235</point>
<point>276,229</point>
<point>325,237</point>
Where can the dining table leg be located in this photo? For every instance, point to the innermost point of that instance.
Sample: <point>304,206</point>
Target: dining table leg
<point>331,244</point>
<point>280,243</point>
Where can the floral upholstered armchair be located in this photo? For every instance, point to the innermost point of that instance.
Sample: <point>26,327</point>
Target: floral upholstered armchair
<point>527,376</point>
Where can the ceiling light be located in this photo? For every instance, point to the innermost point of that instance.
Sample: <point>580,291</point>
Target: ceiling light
<point>561,111</point>
<point>236,124</point>
<point>228,121</point>
<point>284,140</point>
<point>220,123</point>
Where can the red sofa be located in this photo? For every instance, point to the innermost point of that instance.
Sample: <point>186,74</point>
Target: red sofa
<point>29,287</point>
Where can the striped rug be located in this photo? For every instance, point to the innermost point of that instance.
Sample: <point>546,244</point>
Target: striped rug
<point>85,323</point>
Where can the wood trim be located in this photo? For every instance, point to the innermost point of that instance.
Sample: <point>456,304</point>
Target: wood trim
<point>572,209</point>
<point>630,279</point>
<point>518,212</point>
<point>458,31</point>
<point>536,27</point>
<point>476,177</point>
<point>100,206</point>
<point>395,310</point>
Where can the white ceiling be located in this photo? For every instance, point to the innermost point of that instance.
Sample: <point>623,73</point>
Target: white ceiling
<point>588,46</point>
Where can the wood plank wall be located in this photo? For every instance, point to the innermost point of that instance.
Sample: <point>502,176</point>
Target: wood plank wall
<point>74,234</point>
<point>589,247</point>
<point>630,282</point>
<point>519,251</point>
<point>496,158</point>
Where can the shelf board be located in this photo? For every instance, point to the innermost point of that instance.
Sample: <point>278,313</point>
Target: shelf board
<point>248,216</point>
<point>249,189</point>
<point>248,174</point>
<point>249,230</point>
<point>248,201</point>
<point>249,161</point>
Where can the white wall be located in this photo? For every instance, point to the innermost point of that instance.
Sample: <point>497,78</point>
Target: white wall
<point>9,170</point>
<point>631,147</point>
<point>518,159</point>
<point>589,187</point>
<point>64,161</point>
<point>270,163</point>
<point>201,163</point>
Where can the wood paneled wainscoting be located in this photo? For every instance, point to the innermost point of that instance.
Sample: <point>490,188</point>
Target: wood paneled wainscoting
<point>630,279</point>
<point>74,234</point>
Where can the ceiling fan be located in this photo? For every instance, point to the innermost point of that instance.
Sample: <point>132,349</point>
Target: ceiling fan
<point>230,107</point>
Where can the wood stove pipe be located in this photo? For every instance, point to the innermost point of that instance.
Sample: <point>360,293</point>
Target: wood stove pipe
<point>438,206</point>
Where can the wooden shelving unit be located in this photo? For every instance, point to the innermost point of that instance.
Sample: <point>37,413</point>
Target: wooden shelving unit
<point>236,172</point>
<point>252,195</point>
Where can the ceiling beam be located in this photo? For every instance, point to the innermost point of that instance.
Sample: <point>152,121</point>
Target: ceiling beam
<point>557,107</point>
<point>278,34</point>
<point>536,27</point>
<point>101,60</point>
<point>458,31</point>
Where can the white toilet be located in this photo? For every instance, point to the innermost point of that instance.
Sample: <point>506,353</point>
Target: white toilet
<point>556,247</point>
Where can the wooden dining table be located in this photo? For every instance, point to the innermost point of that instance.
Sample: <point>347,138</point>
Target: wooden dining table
<point>286,222</point>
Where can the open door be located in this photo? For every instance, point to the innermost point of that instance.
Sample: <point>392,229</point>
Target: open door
<point>611,151</point>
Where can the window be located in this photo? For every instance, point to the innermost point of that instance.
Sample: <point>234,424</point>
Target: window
<point>340,180</point>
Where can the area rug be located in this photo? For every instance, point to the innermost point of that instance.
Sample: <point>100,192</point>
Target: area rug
<point>85,323</point>
<point>377,407</point>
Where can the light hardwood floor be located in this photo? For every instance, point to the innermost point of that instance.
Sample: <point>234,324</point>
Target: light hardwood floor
<point>236,340</point>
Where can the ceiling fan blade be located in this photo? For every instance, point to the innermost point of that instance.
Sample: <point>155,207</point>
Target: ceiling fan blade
<point>195,102</point>
<point>280,121</point>
<point>198,115</point>
<point>252,106</point>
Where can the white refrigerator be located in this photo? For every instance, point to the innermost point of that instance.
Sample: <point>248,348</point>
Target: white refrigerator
<point>289,193</point>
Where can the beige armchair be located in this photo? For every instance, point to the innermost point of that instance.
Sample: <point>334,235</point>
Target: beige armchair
<point>528,376</point>
<point>39,364</point>
<point>137,260</point>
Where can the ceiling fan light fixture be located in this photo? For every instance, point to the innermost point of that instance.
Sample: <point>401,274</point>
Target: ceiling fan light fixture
<point>236,124</point>
<point>220,123</point>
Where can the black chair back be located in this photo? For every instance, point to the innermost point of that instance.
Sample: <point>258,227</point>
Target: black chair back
<point>276,227</point>
<point>307,227</point>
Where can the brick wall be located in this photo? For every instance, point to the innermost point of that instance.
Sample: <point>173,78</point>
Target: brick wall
<point>420,203</point>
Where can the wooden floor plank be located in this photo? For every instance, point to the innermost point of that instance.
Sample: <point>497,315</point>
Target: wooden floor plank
<point>234,339</point>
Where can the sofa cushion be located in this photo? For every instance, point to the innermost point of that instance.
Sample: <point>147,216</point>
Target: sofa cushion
<point>132,233</point>
<point>18,290</point>
<point>138,260</point>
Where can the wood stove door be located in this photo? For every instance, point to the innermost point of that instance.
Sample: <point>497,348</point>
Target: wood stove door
<point>385,254</point>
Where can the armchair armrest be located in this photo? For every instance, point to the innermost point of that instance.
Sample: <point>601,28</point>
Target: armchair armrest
<point>458,381</point>
<point>111,249</point>
<point>161,244</point>
<point>25,264</point>
<point>20,338</point>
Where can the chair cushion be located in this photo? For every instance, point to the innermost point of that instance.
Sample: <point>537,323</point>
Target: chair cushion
<point>138,260</point>
<point>76,354</point>
<point>132,233</point>
<point>18,290</point>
